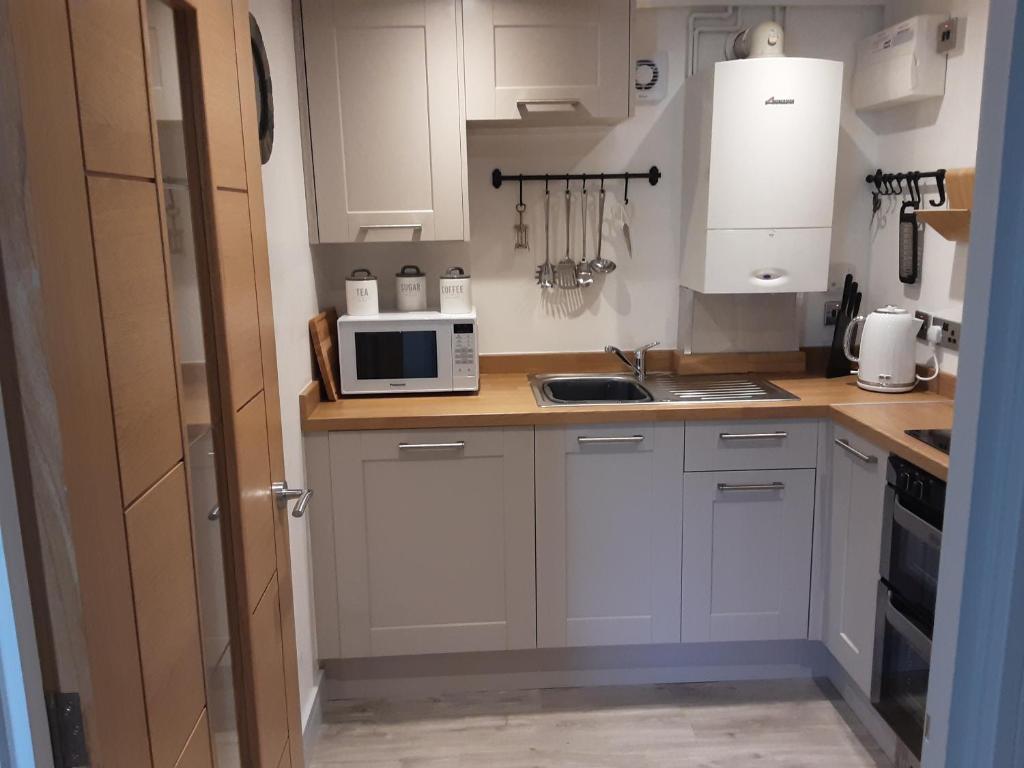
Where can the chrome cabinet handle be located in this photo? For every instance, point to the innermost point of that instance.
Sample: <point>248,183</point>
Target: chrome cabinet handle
<point>860,455</point>
<point>751,486</point>
<point>457,445</point>
<point>583,440</point>
<point>214,514</point>
<point>391,226</point>
<point>282,493</point>
<point>548,102</point>
<point>752,435</point>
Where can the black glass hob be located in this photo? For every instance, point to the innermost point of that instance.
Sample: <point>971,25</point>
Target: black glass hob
<point>936,438</point>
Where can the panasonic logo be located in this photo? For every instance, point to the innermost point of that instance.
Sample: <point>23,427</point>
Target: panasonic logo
<point>773,100</point>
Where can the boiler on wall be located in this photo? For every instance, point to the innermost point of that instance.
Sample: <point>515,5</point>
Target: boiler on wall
<point>759,168</point>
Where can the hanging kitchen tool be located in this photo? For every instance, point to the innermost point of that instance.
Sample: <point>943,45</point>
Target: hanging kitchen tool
<point>910,234</point>
<point>545,272</point>
<point>601,265</point>
<point>584,278</point>
<point>522,231</point>
<point>565,270</point>
<point>627,218</point>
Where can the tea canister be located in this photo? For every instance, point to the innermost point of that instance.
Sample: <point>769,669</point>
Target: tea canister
<point>361,293</point>
<point>456,292</point>
<point>411,289</point>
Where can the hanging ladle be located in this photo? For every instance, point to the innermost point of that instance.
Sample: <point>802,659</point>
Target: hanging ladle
<point>522,231</point>
<point>599,264</point>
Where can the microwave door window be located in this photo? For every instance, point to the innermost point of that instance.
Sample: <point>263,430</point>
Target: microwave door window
<point>395,355</point>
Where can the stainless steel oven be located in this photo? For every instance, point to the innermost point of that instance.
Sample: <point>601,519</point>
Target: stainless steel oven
<point>911,547</point>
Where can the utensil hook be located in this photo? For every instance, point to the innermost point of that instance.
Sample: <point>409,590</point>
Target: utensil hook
<point>520,207</point>
<point>940,181</point>
<point>625,192</point>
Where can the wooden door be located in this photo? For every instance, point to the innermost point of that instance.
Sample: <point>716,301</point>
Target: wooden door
<point>609,534</point>
<point>105,371</point>
<point>570,58</point>
<point>433,534</point>
<point>387,119</point>
<point>855,543</point>
<point>747,554</point>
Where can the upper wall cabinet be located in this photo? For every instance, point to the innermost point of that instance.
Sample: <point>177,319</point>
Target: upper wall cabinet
<point>565,62</point>
<point>386,120</point>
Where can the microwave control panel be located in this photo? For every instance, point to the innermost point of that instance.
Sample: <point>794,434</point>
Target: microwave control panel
<point>465,362</point>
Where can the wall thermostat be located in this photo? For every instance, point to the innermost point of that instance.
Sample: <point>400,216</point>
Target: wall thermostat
<point>650,78</point>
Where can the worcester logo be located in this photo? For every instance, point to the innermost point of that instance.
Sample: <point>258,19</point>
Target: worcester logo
<point>772,100</point>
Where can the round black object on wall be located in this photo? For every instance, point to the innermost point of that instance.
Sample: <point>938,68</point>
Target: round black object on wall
<point>264,90</point>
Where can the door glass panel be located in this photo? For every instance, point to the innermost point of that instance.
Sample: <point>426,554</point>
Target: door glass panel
<point>172,58</point>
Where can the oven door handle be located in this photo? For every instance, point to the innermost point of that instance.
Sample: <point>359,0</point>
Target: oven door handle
<point>918,640</point>
<point>918,527</point>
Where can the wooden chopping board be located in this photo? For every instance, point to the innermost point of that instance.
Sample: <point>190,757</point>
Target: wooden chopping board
<point>323,333</point>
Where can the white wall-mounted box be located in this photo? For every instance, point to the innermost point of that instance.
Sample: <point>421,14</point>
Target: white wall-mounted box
<point>759,161</point>
<point>900,64</point>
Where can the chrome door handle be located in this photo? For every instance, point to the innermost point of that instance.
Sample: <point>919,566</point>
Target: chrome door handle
<point>751,486</point>
<point>752,435</point>
<point>860,455</point>
<point>457,445</point>
<point>583,440</point>
<point>282,493</point>
<point>391,226</point>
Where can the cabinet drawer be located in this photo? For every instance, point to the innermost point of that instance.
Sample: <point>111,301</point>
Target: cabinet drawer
<point>620,438</point>
<point>726,445</point>
<point>410,444</point>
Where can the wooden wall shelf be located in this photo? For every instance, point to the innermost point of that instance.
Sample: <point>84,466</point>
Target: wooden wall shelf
<point>954,223</point>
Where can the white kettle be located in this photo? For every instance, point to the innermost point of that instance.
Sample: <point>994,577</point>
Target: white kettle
<point>887,360</point>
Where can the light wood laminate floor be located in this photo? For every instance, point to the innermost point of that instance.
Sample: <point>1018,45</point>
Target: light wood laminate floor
<point>793,723</point>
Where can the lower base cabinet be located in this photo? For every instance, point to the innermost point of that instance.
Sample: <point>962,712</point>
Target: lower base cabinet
<point>609,534</point>
<point>434,542</point>
<point>855,544</point>
<point>747,554</point>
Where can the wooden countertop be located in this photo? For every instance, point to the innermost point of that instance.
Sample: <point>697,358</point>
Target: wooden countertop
<point>884,425</point>
<point>505,399</point>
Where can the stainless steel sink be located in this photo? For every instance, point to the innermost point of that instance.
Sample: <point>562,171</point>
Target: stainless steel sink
<point>589,390</point>
<point>596,389</point>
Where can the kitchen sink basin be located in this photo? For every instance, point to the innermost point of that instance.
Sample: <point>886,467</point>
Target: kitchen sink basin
<point>596,389</point>
<point>590,390</point>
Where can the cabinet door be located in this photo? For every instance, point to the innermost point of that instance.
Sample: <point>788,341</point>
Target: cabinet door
<point>855,542</point>
<point>747,554</point>
<point>609,528</point>
<point>434,540</point>
<point>525,57</point>
<point>387,119</point>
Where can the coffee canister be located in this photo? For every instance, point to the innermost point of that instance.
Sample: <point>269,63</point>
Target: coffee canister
<point>411,289</point>
<point>361,293</point>
<point>456,293</point>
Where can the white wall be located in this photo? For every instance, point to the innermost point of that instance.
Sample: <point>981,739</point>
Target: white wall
<point>640,301</point>
<point>939,133</point>
<point>294,294</point>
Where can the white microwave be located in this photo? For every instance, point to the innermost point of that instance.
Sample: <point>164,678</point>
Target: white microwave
<point>408,352</point>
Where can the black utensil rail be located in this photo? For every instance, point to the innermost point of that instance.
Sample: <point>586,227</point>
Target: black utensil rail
<point>652,176</point>
<point>909,183</point>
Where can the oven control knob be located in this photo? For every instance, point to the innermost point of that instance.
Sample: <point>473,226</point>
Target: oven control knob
<point>918,489</point>
<point>903,481</point>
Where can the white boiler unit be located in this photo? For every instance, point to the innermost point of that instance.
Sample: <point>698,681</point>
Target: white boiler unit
<point>759,172</point>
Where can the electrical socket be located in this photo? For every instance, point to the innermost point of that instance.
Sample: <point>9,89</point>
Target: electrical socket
<point>950,332</point>
<point>922,332</point>
<point>831,312</point>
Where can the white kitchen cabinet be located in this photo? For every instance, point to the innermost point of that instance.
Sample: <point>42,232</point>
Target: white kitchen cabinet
<point>609,534</point>
<point>567,60</point>
<point>424,542</point>
<point>747,554</point>
<point>387,113</point>
<point>855,542</point>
